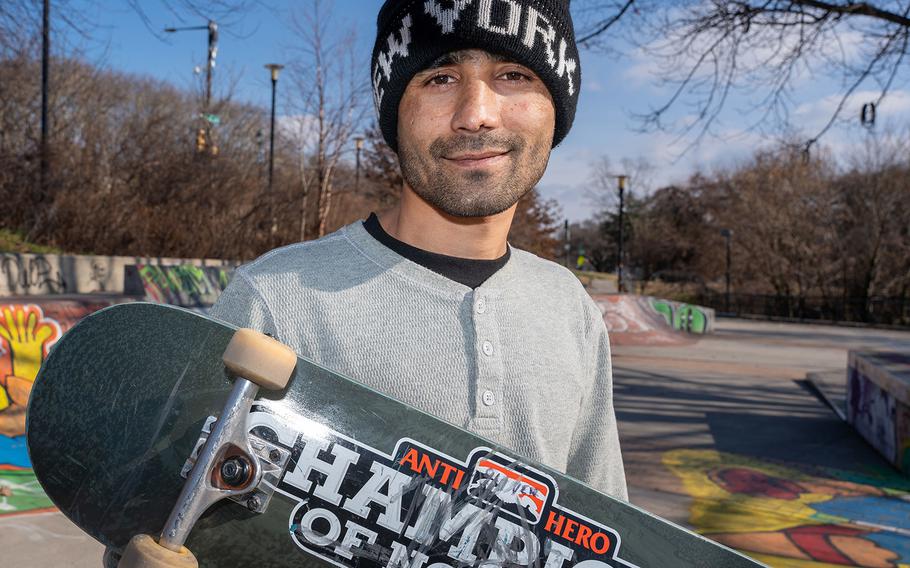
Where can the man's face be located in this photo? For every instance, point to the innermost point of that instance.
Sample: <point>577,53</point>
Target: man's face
<point>474,133</point>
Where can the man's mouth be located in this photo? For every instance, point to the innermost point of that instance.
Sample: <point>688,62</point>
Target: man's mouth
<point>478,159</point>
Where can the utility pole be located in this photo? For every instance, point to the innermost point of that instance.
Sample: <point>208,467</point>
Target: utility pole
<point>45,71</point>
<point>213,51</point>
<point>274,69</point>
<point>566,247</point>
<point>204,137</point>
<point>621,180</point>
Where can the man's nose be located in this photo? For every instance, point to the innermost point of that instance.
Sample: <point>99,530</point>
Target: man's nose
<point>477,107</point>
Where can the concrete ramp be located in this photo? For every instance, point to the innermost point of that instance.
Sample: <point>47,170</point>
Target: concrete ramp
<point>645,320</point>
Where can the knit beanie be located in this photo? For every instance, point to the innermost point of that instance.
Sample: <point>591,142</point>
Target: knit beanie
<point>412,34</point>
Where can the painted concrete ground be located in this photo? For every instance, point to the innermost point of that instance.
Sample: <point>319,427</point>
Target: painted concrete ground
<point>724,437</point>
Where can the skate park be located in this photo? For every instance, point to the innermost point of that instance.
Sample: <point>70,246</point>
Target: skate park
<point>726,180</point>
<point>735,428</point>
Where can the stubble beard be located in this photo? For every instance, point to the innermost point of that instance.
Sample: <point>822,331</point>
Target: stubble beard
<point>477,192</point>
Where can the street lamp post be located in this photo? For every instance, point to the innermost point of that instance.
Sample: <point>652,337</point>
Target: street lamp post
<point>274,68</point>
<point>621,180</point>
<point>728,235</point>
<point>358,146</point>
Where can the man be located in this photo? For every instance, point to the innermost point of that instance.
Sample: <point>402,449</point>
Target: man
<point>428,303</point>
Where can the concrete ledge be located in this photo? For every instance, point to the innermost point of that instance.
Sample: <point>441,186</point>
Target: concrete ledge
<point>49,274</point>
<point>878,402</point>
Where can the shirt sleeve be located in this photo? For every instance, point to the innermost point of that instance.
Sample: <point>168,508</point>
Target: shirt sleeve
<point>242,305</point>
<point>594,453</point>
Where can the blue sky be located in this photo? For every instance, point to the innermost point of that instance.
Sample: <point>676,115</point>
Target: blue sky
<point>613,87</point>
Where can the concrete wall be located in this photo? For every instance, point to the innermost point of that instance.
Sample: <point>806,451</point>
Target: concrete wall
<point>47,274</point>
<point>878,402</point>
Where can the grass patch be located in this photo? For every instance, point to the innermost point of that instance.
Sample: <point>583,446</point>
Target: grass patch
<point>12,241</point>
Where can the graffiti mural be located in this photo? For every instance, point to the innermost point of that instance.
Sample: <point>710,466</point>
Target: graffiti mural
<point>26,336</point>
<point>791,518</point>
<point>27,333</point>
<point>683,317</point>
<point>182,285</point>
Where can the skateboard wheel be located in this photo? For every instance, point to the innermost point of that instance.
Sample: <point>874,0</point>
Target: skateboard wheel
<point>260,359</point>
<point>144,552</point>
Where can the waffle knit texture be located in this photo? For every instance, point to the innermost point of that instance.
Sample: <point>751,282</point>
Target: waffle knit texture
<point>412,34</point>
<point>523,360</point>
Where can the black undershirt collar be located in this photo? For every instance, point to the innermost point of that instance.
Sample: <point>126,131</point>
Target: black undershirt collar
<point>468,271</point>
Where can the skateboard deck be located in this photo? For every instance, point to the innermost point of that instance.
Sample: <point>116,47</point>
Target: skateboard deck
<point>354,477</point>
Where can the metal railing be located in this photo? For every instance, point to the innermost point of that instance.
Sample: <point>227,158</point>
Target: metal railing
<point>872,310</point>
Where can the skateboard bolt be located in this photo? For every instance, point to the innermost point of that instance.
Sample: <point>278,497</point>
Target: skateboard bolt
<point>253,503</point>
<point>234,471</point>
<point>274,455</point>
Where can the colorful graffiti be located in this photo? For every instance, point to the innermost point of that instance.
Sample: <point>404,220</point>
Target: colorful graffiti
<point>790,518</point>
<point>183,285</point>
<point>27,333</point>
<point>683,317</point>
<point>26,336</point>
<point>643,320</point>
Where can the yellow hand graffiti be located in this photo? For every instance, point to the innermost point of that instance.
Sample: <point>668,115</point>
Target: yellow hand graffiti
<point>28,335</point>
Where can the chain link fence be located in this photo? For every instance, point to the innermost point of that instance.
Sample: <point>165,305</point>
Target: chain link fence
<point>872,310</point>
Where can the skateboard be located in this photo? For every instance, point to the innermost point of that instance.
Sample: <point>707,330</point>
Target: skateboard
<point>171,437</point>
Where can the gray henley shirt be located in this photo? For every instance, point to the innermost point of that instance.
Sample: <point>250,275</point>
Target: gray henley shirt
<point>522,360</point>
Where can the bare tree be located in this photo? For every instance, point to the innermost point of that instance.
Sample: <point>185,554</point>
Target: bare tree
<point>603,190</point>
<point>535,225</point>
<point>330,101</point>
<point>382,172</point>
<point>706,51</point>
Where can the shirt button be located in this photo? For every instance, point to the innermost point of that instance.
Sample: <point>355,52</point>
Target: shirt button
<point>487,348</point>
<point>488,398</point>
<point>481,306</point>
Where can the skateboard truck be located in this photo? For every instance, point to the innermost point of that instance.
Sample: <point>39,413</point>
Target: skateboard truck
<point>272,458</point>
<point>230,464</point>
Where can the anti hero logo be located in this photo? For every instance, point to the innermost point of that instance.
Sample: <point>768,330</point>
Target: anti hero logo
<point>419,508</point>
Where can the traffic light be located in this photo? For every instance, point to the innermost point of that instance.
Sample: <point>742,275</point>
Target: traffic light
<point>200,140</point>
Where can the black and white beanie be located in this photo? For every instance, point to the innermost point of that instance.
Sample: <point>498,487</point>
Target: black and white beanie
<point>412,34</point>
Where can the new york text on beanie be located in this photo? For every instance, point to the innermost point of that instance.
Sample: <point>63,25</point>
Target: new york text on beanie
<point>412,34</point>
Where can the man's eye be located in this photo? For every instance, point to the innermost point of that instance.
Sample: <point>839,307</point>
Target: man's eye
<point>440,79</point>
<point>516,76</point>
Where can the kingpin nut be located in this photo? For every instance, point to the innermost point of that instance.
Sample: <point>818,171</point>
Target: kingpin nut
<point>235,471</point>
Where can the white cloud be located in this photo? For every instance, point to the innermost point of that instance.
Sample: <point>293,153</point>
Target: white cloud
<point>300,129</point>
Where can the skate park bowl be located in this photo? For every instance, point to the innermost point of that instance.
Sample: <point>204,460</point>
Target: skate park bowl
<point>646,320</point>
